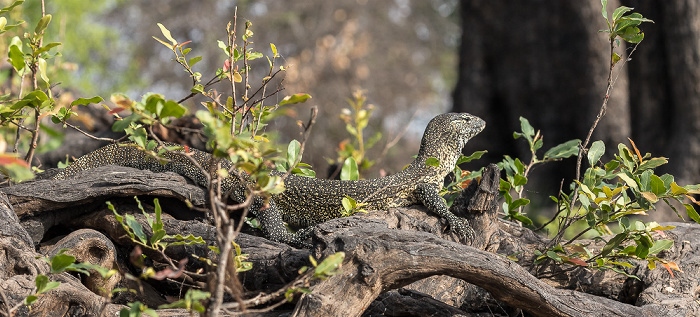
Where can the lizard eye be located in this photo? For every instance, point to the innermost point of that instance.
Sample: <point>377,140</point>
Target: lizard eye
<point>459,122</point>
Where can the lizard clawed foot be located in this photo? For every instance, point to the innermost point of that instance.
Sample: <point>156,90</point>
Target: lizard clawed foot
<point>299,238</point>
<point>461,227</point>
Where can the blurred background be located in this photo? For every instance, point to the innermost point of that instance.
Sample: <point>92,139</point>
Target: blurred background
<point>543,60</point>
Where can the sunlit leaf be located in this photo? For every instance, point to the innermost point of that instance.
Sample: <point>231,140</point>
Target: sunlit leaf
<point>692,213</point>
<point>620,12</point>
<point>296,98</point>
<point>43,24</point>
<point>86,101</point>
<point>431,161</point>
<point>349,170</point>
<point>596,152</point>
<point>167,34</point>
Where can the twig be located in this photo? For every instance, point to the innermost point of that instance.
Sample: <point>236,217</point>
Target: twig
<point>582,148</point>
<point>89,135</point>
<point>307,131</point>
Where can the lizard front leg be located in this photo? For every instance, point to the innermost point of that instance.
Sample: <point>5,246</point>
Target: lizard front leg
<point>274,229</point>
<point>429,196</point>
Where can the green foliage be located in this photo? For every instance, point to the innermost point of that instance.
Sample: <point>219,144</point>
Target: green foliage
<point>294,160</point>
<point>624,26</point>
<point>350,206</point>
<point>356,119</point>
<point>60,263</point>
<point>607,194</point>
<point>159,239</point>
<point>192,301</point>
<point>517,172</point>
<point>461,178</point>
<point>137,309</point>
<point>350,171</point>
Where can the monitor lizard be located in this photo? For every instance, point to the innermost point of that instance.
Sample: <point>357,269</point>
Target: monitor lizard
<point>308,201</point>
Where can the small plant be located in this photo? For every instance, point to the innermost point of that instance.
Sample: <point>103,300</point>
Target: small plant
<point>353,152</point>
<point>608,193</point>
<point>517,172</point>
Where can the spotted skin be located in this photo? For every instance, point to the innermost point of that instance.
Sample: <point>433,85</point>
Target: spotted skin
<point>309,201</point>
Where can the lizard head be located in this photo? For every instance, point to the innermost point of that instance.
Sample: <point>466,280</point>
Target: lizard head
<point>447,134</point>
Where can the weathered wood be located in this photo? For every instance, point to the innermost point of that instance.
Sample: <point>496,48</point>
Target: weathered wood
<point>35,197</point>
<point>379,259</point>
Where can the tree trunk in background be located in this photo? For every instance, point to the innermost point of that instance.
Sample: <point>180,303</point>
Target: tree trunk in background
<point>545,61</point>
<point>665,85</point>
<point>548,64</point>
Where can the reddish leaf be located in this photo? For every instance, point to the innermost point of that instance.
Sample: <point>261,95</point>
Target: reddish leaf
<point>577,261</point>
<point>6,159</point>
<point>116,110</point>
<point>668,268</point>
<point>634,146</point>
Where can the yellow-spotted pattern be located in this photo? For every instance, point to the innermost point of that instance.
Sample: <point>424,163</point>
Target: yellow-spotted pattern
<point>309,201</point>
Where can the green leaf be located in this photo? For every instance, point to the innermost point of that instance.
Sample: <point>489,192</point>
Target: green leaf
<point>596,152</point>
<point>42,70</point>
<point>526,127</point>
<point>168,45</point>
<point>677,190</point>
<point>620,12</point>
<point>167,34</point>
<point>194,60</point>
<point>656,185</point>
<point>254,55</point>
<point>33,99</point>
<point>563,150</point>
<point>633,38</point>
<point>518,203</point>
<point>642,250</point>
<point>629,181</point>
<point>223,46</point>
<point>348,203</point>
<point>296,98</point>
<point>86,101</point>
<point>653,163</point>
<point>660,245</point>
<point>293,150</point>
<point>431,161</point>
<point>522,218</point>
<point>45,48</point>
<point>605,12</point>
<point>60,262</point>
<point>16,57</point>
<point>136,227</point>
<point>475,156</point>
<point>43,24</point>
<point>613,243</point>
<point>330,265</point>
<point>349,170</point>
<point>197,89</point>
<point>554,256</point>
<point>692,213</point>
<point>274,50</point>
<point>121,125</point>
<point>11,6</point>
<point>519,180</point>
<point>158,224</point>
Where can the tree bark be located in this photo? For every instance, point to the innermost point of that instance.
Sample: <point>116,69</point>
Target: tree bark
<point>665,86</point>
